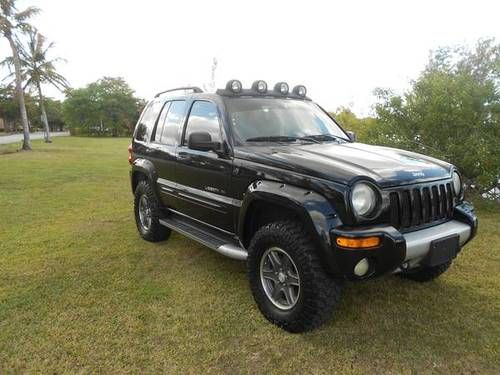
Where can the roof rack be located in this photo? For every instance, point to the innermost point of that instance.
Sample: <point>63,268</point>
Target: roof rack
<point>193,88</point>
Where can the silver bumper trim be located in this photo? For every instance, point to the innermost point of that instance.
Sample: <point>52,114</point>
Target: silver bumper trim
<point>418,242</point>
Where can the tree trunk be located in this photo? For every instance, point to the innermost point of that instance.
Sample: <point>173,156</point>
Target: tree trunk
<point>20,93</point>
<point>45,121</point>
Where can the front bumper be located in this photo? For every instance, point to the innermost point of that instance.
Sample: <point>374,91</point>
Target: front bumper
<point>398,250</point>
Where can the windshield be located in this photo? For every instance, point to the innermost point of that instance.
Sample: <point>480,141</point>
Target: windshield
<point>280,120</point>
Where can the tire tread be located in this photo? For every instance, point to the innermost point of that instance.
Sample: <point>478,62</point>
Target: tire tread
<point>321,292</point>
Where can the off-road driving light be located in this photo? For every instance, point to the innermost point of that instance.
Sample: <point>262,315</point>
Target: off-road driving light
<point>363,199</point>
<point>362,267</point>
<point>300,90</point>
<point>358,243</point>
<point>260,87</point>
<point>282,88</point>
<point>234,86</point>
<point>457,184</point>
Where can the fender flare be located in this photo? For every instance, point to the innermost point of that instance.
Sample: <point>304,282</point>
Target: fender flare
<point>313,209</point>
<point>145,167</point>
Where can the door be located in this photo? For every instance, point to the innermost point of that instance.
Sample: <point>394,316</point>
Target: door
<point>203,176</point>
<point>163,148</point>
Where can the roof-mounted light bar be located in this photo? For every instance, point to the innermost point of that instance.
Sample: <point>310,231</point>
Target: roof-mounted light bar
<point>259,88</point>
<point>194,89</point>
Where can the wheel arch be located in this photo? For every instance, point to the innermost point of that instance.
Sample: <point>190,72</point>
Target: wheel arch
<point>288,202</point>
<point>143,169</point>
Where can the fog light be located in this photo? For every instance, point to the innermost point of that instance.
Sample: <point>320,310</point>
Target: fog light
<point>362,267</point>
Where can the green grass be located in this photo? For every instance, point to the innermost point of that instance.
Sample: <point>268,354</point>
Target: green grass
<point>10,148</point>
<point>81,292</point>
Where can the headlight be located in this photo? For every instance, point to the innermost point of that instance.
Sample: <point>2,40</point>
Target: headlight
<point>457,184</point>
<point>363,199</point>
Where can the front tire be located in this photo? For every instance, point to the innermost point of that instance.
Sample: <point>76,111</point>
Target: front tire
<point>425,274</point>
<point>288,282</point>
<point>147,214</point>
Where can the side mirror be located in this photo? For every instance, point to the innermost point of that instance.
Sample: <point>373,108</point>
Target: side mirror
<point>202,141</point>
<point>352,136</point>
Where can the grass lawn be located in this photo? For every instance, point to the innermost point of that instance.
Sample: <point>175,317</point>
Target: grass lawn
<point>81,292</point>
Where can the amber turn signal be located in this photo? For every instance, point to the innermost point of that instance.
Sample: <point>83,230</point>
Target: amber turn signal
<point>130,159</point>
<point>358,243</point>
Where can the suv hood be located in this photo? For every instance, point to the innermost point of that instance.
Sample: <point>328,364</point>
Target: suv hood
<point>346,162</point>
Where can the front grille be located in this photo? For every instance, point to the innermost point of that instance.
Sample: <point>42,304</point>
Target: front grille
<point>418,206</point>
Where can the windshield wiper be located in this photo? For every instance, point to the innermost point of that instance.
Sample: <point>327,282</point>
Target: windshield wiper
<point>273,138</point>
<point>323,137</point>
<point>309,138</point>
<point>318,138</point>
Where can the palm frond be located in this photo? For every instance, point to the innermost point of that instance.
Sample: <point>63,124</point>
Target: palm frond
<point>8,7</point>
<point>36,65</point>
<point>7,62</point>
<point>22,16</point>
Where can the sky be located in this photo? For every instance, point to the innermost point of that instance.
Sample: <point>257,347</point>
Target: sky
<point>340,50</point>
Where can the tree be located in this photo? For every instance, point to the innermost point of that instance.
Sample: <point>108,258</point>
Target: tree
<point>13,21</point>
<point>9,109</point>
<point>38,69</point>
<point>107,106</point>
<point>349,121</point>
<point>54,114</point>
<point>452,111</point>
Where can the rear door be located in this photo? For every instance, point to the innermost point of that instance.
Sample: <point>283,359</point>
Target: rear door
<point>203,177</point>
<point>164,144</point>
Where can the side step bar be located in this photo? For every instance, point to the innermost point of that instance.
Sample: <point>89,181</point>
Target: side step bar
<point>209,237</point>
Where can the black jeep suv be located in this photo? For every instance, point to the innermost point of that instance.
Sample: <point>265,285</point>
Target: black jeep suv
<point>267,176</point>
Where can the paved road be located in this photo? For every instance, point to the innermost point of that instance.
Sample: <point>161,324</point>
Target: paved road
<point>14,138</point>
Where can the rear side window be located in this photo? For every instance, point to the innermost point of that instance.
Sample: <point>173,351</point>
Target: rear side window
<point>147,121</point>
<point>161,121</point>
<point>172,122</point>
<point>203,118</point>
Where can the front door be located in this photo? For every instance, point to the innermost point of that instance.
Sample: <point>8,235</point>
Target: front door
<point>203,177</point>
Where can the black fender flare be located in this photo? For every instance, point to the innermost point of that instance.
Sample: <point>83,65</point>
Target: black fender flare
<point>314,210</point>
<point>147,168</point>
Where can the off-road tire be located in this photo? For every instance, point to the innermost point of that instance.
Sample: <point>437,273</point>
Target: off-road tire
<point>319,293</point>
<point>156,232</point>
<point>424,274</point>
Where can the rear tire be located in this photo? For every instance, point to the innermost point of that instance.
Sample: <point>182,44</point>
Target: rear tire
<point>295,308</point>
<point>147,214</point>
<point>425,274</point>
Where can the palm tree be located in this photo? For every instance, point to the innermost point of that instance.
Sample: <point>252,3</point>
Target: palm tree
<point>13,21</point>
<point>38,69</point>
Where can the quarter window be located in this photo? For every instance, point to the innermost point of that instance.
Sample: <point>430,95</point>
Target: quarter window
<point>203,118</point>
<point>147,121</point>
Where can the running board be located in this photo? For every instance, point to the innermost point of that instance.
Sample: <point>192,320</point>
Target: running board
<point>209,237</point>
